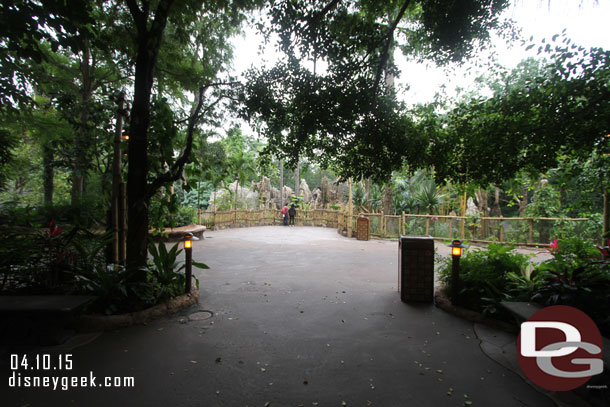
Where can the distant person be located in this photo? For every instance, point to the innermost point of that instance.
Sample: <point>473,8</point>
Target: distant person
<point>292,212</point>
<point>285,213</point>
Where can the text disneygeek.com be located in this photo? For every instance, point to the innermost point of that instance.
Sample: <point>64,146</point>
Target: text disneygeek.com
<point>24,368</point>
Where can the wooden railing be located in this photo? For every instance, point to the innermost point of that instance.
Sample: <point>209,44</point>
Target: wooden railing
<point>259,217</point>
<point>519,231</point>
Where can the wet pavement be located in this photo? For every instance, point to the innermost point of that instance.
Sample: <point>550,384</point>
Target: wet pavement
<point>290,316</point>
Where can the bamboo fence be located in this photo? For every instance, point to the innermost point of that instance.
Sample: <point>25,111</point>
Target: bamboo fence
<point>519,231</point>
<point>261,217</point>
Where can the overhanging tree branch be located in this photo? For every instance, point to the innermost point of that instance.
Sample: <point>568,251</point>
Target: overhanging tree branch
<point>385,54</point>
<point>175,171</point>
<point>138,15</point>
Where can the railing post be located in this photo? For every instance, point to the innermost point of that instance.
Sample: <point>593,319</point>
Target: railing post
<point>530,238</point>
<point>427,226</point>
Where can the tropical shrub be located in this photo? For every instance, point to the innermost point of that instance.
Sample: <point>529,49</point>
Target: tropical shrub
<point>484,280</point>
<point>47,261</point>
<point>577,276</point>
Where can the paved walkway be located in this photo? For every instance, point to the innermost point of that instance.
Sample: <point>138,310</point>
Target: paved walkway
<point>301,317</point>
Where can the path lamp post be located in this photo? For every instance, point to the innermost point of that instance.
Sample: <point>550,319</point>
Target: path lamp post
<point>456,252</point>
<point>188,259</point>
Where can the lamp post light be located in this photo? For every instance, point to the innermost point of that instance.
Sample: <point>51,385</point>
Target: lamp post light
<point>188,261</point>
<point>456,252</point>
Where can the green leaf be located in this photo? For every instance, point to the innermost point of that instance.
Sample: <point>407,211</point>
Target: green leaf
<point>200,265</point>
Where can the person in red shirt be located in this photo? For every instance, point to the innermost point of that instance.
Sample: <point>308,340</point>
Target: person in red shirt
<point>285,213</point>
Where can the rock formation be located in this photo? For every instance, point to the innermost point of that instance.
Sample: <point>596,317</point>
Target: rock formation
<point>262,194</point>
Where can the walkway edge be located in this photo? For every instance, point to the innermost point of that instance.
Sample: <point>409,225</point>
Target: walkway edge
<point>96,323</point>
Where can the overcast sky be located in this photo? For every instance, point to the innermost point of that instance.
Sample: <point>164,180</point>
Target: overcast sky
<point>586,23</point>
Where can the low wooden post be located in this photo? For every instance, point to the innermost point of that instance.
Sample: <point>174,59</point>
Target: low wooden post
<point>501,233</point>
<point>404,221</point>
<point>427,226</point>
<point>530,237</point>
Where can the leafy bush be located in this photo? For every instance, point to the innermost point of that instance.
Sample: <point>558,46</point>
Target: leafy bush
<point>48,261</point>
<point>87,213</point>
<point>577,276</point>
<point>71,260</point>
<point>522,286</point>
<point>115,290</point>
<point>484,276</point>
<point>587,230</point>
<point>164,271</point>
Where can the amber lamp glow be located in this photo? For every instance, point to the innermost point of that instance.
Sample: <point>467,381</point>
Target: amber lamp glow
<point>456,252</point>
<point>188,259</point>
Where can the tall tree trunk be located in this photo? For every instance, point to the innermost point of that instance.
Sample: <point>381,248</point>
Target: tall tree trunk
<point>367,191</point>
<point>482,205</point>
<point>387,198</point>
<point>115,217</point>
<point>524,200</point>
<point>606,218</point>
<point>297,178</point>
<point>82,141</point>
<point>47,173</point>
<point>496,209</point>
<point>281,184</point>
<point>138,195</point>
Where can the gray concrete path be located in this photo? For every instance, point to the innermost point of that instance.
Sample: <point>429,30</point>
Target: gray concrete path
<point>301,317</point>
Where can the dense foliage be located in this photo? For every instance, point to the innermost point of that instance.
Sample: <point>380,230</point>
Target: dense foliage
<point>577,275</point>
<point>346,113</point>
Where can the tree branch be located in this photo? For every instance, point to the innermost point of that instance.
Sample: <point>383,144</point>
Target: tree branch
<point>138,15</point>
<point>388,41</point>
<point>160,19</point>
<point>205,88</point>
<point>325,10</point>
<point>175,172</point>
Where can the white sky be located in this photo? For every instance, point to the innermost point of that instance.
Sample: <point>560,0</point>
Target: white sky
<point>586,24</point>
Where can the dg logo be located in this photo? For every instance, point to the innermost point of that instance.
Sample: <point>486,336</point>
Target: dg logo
<point>560,348</point>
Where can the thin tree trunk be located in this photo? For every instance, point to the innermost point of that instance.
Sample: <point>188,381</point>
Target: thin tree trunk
<point>387,198</point>
<point>47,174</point>
<point>523,202</point>
<point>116,180</point>
<point>281,184</point>
<point>606,218</point>
<point>482,204</point>
<point>367,189</point>
<point>297,178</point>
<point>81,143</point>
<point>496,209</point>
